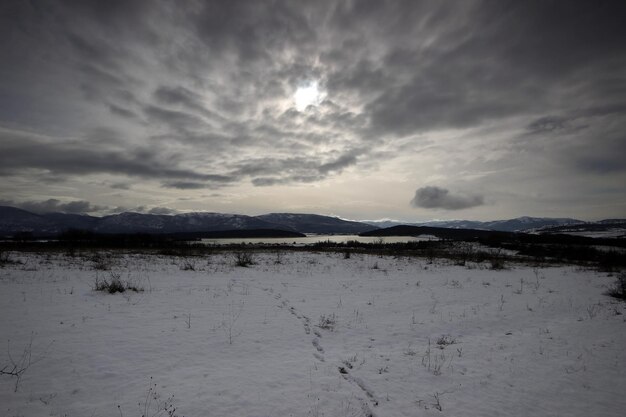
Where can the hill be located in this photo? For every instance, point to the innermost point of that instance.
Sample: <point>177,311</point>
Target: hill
<point>16,221</point>
<point>315,223</point>
<point>518,224</point>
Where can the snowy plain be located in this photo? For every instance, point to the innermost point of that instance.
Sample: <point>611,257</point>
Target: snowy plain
<point>308,334</point>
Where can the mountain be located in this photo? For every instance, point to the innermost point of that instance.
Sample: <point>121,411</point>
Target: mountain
<point>180,223</point>
<point>494,236</point>
<point>315,223</point>
<point>66,221</point>
<point>440,232</point>
<point>527,223</point>
<point>13,220</point>
<point>511,225</point>
<point>609,228</point>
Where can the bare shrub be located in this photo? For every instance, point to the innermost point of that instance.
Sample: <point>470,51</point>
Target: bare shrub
<point>497,264</point>
<point>154,405</point>
<point>244,259</point>
<point>230,320</point>
<point>279,258</point>
<point>187,265</point>
<point>5,259</point>
<point>114,284</point>
<point>17,367</point>
<point>618,290</point>
<point>593,310</point>
<point>445,340</point>
<point>327,322</point>
<point>101,262</point>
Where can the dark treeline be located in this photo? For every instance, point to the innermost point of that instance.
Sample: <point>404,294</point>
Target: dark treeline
<point>494,247</point>
<point>495,237</point>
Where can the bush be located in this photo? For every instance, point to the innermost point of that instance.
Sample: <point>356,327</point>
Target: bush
<point>101,262</point>
<point>327,322</point>
<point>187,265</point>
<point>5,258</point>
<point>445,340</point>
<point>497,264</point>
<point>243,259</point>
<point>618,290</point>
<point>114,284</point>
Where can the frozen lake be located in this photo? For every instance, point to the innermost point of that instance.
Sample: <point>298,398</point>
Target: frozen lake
<point>312,239</point>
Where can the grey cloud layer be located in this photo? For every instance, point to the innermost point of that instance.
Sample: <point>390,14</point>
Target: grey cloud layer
<point>436,197</point>
<point>53,205</point>
<point>200,93</point>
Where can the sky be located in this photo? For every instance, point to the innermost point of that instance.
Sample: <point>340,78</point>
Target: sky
<point>408,110</point>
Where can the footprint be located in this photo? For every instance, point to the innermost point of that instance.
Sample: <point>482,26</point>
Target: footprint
<point>317,345</point>
<point>358,382</point>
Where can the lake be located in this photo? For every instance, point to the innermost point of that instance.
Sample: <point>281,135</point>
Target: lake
<point>311,239</point>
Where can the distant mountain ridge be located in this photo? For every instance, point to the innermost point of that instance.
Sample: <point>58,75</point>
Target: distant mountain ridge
<point>17,221</point>
<point>609,228</point>
<point>510,225</point>
<point>315,223</point>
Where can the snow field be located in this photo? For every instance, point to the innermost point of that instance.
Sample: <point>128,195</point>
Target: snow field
<point>313,335</point>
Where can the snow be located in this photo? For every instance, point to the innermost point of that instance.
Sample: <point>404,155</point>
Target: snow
<point>310,334</point>
<point>614,233</point>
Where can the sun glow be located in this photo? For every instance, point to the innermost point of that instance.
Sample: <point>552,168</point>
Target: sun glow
<point>308,95</point>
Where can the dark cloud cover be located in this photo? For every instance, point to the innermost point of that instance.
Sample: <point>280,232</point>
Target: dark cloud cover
<point>185,185</point>
<point>53,205</point>
<point>200,93</point>
<point>440,198</point>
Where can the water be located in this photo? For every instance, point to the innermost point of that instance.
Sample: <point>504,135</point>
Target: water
<point>311,239</point>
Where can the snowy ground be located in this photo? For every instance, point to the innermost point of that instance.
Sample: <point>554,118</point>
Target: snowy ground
<point>314,335</point>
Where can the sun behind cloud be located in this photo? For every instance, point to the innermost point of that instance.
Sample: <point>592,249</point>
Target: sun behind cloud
<point>308,95</point>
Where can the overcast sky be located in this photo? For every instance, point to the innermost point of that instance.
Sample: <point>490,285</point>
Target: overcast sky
<point>362,109</point>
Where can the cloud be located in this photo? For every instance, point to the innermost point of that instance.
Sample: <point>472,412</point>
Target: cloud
<point>270,181</point>
<point>436,197</point>
<point>268,171</point>
<point>261,30</point>
<point>142,209</point>
<point>339,164</point>
<point>201,94</point>
<point>122,112</point>
<point>120,186</point>
<point>20,152</point>
<point>185,185</point>
<point>546,124</point>
<point>53,205</point>
<point>183,97</point>
<point>177,120</point>
<point>162,210</point>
